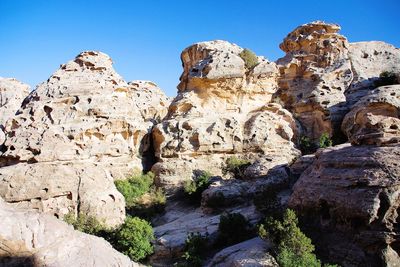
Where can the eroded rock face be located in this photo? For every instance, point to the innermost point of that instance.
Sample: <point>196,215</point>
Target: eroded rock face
<point>369,60</point>
<point>73,136</point>
<point>351,196</point>
<point>314,75</point>
<point>253,252</point>
<point>222,109</point>
<point>171,236</point>
<point>28,238</point>
<point>375,119</point>
<point>12,93</point>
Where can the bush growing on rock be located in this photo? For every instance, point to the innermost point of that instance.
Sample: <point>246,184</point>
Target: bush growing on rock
<point>85,223</point>
<point>134,238</point>
<point>235,167</point>
<point>249,57</point>
<point>195,247</point>
<point>134,187</point>
<point>325,141</point>
<point>150,204</point>
<point>233,228</point>
<point>194,188</point>
<point>386,78</point>
<point>292,247</point>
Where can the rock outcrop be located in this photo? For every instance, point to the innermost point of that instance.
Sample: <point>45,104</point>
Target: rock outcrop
<point>12,93</point>
<point>222,109</point>
<point>251,253</point>
<point>369,60</point>
<point>350,196</point>
<point>73,136</point>
<point>314,75</point>
<point>28,238</point>
<point>375,119</point>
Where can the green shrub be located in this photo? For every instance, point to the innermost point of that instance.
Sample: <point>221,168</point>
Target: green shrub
<point>194,188</point>
<point>233,228</point>
<point>386,78</point>
<point>134,238</point>
<point>195,247</point>
<point>325,141</point>
<point>293,247</point>
<point>150,204</point>
<point>85,223</point>
<point>134,187</point>
<point>306,146</point>
<point>235,166</point>
<point>249,57</point>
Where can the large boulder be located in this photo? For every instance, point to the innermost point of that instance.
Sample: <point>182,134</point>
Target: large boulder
<point>12,93</point>
<point>314,75</point>
<point>222,109</point>
<point>369,60</point>
<point>375,119</point>
<point>250,253</point>
<point>73,136</point>
<point>350,199</point>
<point>28,238</point>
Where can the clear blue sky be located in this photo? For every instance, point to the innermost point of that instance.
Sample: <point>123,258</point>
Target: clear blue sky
<point>145,38</point>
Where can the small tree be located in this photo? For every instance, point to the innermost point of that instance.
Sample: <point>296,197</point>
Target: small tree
<point>233,228</point>
<point>249,57</point>
<point>195,248</point>
<point>325,141</point>
<point>292,246</point>
<point>194,188</point>
<point>235,166</point>
<point>134,238</point>
<point>386,78</point>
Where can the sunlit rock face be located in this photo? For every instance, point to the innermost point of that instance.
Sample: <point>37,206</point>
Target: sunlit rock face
<point>73,136</point>
<point>12,93</point>
<point>375,118</point>
<point>222,109</point>
<point>314,75</point>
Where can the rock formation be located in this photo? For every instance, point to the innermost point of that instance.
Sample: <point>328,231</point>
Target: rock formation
<point>375,119</point>
<point>28,238</point>
<point>369,60</point>
<point>222,109</point>
<point>253,252</point>
<point>12,93</point>
<point>73,136</point>
<point>314,75</point>
<point>351,194</point>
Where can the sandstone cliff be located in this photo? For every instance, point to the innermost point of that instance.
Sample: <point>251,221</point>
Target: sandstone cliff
<point>75,134</point>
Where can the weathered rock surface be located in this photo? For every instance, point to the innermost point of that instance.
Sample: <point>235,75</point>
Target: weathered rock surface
<point>375,119</point>
<point>12,93</point>
<point>28,238</point>
<point>227,193</point>
<point>221,110</point>
<point>352,195</point>
<point>369,60</point>
<point>314,75</point>
<point>73,136</point>
<point>171,236</point>
<point>250,253</point>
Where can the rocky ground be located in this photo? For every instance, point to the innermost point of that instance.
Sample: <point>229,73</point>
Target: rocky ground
<point>65,143</point>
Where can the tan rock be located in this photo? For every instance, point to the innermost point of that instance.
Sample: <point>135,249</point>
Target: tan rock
<point>75,134</point>
<point>314,75</point>
<point>12,93</point>
<point>222,109</point>
<point>369,60</point>
<point>28,238</point>
<point>350,197</point>
<point>375,119</point>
